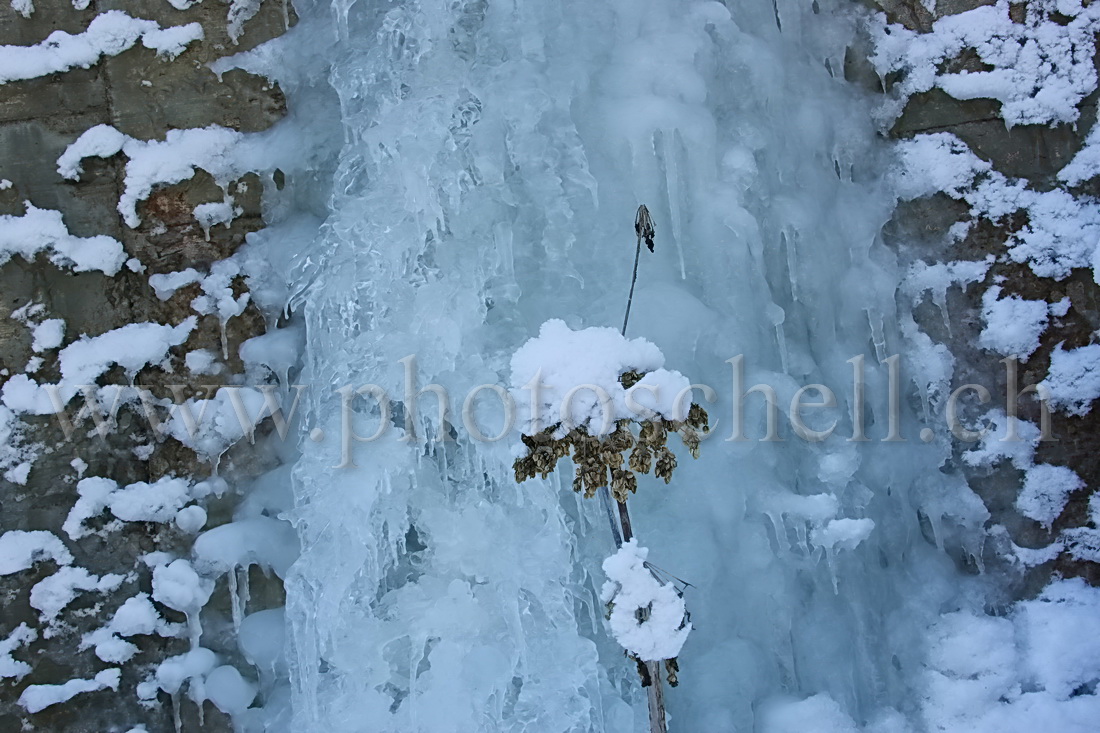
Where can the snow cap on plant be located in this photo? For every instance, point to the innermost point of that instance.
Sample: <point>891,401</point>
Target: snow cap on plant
<point>647,618</point>
<point>579,392</point>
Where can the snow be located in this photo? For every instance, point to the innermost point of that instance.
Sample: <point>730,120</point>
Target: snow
<point>49,334</point>
<point>1086,163</point>
<point>1045,491</point>
<point>23,7</point>
<point>240,12</point>
<point>219,151</point>
<point>994,445</point>
<point>270,543</point>
<point>819,713</point>
<point>42,230</point>
<point>1041,69</point>
<point>171,42</point>
<point>228,690</point>
<point>279,349</point>
<point>1013,325</point>
<point>92,497</point>
<point>191,519</point>
<point>166,284</point>
<point>211,214</point>
<point>1061,662</point>
<point>101,141</point>
<point>217,292</point>
<point>631,588</point>
<point>577,375</point>
<point>210,427</point>
<point>179,587</point>
<point>133,347</point>
<point>939,276</point>
<point>844,533</point>
<point>136,616</point>
<point>1062,230</point>
<point>16,456</point>
<point>217,296</point>
<point>52,594</point>
<point>109,34</point>
<point>37,698</point>
<point>172,673</point>
<point>20,549</point>
<point>1073,381</point>
<point>262,638</point>
<point>202,361</point>
<point>11,668</point>
<point>145,502</point>
<point>159,501</point>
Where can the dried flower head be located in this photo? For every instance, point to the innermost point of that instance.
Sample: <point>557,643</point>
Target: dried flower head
<point>599,460</point>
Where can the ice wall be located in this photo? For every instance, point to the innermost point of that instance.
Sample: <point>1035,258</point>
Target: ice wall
<point>494,154</point>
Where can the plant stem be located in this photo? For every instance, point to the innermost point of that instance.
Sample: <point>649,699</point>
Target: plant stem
<point>605,501</point>
<point>657,722</point>
<point>655,694</point>
<point>633,280</point>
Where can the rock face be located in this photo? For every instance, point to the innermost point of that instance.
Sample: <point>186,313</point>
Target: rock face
<point>143,96</point>
<point>1033,155</point>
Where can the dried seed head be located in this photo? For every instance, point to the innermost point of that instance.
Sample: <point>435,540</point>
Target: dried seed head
<point>641,460</point>
<point>672,667</point>
<point>623,483</point>
<point>690,439</point>
<point>697,417</point>
<point>643,226</point>
<point>665,465</point>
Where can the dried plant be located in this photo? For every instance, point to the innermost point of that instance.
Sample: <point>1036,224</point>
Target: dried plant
<point>609,466</point>
<point>600,461</point>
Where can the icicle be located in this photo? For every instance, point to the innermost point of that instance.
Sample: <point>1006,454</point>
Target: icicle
<point>673,186</point>
<point>234,598</point>
<point>222,323</point>
<point>176,720</point>
<point>878,337</point>
<point>246,592</point>
<point>777,316</point>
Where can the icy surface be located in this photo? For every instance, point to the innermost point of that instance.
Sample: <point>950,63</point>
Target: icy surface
<point>485,183</point>
<point>465,177</point>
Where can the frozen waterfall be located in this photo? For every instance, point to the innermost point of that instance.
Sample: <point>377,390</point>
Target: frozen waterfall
<point>493,155</point>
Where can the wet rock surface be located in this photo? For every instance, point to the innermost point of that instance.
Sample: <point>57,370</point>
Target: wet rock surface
<point>919,232</point>
<point>143,96</point>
